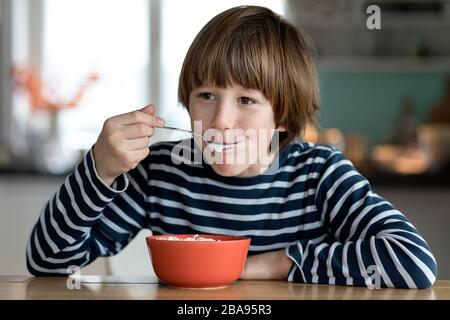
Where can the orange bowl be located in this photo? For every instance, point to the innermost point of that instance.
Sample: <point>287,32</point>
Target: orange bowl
<point>198,264</point>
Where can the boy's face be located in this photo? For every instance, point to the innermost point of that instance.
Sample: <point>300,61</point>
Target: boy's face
<point>240,121</point>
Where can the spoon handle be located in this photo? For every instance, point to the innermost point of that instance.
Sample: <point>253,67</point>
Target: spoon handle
<point>184,130</point>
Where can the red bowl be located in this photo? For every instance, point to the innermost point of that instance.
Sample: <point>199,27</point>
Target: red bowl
<point>198,264</point>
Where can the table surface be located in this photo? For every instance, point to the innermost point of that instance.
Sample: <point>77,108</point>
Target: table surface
<point>37,288</point>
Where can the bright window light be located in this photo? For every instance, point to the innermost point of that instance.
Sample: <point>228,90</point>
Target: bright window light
<point>105,37</point>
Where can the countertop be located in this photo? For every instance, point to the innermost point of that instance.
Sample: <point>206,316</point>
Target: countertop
<point>38,288</point>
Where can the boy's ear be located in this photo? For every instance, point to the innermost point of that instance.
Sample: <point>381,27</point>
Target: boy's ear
<point>281,128</point>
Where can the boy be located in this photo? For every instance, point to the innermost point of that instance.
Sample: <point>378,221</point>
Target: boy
<point>313,219</point>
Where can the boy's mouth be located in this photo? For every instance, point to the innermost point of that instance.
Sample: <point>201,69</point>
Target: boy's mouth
<point>220,147</point>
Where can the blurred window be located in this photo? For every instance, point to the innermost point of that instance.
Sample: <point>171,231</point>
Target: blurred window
<point>107,38</point>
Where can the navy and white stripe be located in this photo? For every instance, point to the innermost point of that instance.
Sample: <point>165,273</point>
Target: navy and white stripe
<point>316,206</point>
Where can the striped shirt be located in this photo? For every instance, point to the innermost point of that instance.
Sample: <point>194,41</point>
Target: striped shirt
<point>315,206</point>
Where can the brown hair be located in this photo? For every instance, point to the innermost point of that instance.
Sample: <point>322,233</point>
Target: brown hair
<point>257,49</point>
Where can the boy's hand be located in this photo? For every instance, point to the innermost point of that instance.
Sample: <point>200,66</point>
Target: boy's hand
<point>123,142</point>
<point>273,265</point>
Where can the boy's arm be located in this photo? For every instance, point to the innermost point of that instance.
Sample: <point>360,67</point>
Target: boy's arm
<point>367,237</point>
<point>86,219</point>
<point>273,265</point>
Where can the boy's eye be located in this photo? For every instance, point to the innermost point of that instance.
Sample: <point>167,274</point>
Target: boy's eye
<point>207,96</point>
<point>246,100</point>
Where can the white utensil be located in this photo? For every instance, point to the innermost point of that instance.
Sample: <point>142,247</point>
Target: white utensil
<point>219,147</point>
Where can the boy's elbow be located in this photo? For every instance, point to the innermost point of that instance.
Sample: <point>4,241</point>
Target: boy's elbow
<point>419,272</point>
<point>31,269</point>
<point>425,280</point>
<point>34,268</point>
<point>28,260</point>
<point>429,281</point>
<point>36,271</point>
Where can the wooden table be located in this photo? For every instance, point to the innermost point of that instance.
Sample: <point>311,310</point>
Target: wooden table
<point>31,288</point>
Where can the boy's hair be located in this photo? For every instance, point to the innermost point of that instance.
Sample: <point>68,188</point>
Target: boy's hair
<point>256,48</point>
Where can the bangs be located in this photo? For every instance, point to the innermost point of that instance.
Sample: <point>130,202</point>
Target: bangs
<point>242,54</point>
<point>239,59</point>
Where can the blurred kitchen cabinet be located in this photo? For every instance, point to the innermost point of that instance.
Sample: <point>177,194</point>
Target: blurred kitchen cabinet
<point>412,36</point>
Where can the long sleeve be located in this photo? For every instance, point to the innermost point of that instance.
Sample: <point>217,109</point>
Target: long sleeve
<point>86,219</point>
<point>367,237</point>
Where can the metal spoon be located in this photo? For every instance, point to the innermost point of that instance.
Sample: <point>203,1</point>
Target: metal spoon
<point>188,131</point>
<point>219,147</point>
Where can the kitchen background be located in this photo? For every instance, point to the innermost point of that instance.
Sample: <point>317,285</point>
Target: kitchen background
<point>67,65</point>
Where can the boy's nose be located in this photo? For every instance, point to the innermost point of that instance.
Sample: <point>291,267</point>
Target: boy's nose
<point>224,118</point>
